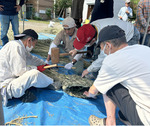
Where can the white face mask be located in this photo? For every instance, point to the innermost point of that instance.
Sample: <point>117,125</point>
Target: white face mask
<point>29,49</point>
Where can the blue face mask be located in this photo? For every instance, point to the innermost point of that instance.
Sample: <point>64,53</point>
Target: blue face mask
<point>102,51</point>
<point>86,46</point>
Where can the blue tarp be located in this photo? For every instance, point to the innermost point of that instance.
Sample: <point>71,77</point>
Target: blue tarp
<point>56,108</point>
<point>60,18</point>
<point>43,36</point>
<point>1,46</point>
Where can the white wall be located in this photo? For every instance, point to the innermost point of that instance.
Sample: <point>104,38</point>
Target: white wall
<point>117,5</point>
<point>85,7</point>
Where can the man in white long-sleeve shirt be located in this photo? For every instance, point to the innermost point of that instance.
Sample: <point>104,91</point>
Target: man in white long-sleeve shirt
<point>88,34</point>
<point>19,70</point>
<point>125,12</point>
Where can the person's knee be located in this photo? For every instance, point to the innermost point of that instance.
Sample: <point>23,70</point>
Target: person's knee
<point>33,72</point>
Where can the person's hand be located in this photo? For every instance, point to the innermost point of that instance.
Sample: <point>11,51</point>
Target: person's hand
<point>41,67</point>
<point>80,20</point>
<point>68,66</point>
<point>47,62</point>
<point>127,11</point>
<point>18,7</point>
<point>120,18</point>
<point>89,95</point>
<point>1,7</point>
<point>85,72</point>
<point>73,52</point>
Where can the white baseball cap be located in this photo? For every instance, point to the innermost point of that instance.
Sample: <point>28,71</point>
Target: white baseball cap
<point>127,1</point>
<point>68,22</point>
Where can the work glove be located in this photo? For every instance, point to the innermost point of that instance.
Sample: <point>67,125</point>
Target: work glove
<point>47,62</point>
<point>68,66</point>
<point>41,67</point>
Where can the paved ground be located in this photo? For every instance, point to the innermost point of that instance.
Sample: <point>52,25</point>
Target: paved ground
<point>38,26</point>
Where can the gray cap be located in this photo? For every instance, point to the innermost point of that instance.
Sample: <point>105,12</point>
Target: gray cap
<point>68,22</point>
<point>110,32</point>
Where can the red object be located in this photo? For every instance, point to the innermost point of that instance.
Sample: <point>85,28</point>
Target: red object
<point>84,35</point>
<point>41,67</point>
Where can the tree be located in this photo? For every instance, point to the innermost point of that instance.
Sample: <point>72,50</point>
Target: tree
<point>61,5</point>
<point>134,4</point>
<point>48,12</point>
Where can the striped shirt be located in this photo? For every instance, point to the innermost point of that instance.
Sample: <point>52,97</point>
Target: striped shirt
<point>143,10</point>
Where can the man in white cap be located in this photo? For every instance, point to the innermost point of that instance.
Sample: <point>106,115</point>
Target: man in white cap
<point>67,36</point>
<point>125,12</point>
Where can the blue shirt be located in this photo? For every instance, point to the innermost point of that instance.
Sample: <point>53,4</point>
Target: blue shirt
<point>9,5</point>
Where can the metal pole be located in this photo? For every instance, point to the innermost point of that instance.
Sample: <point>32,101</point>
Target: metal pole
<point>146,26</point>
<point>23,20</point>
<point>1,111</point>
<point>23,14</point>
<point>146,30</point>
<point>54,8</point>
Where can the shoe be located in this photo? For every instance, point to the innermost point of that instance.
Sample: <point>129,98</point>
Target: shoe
<point>29,96</point>
<point>122,118</point>
<point>95,121</point>
<point>55,86</point>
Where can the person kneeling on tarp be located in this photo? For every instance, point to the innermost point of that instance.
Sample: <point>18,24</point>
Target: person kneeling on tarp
<point>124,80</point>
<point>19,70</point>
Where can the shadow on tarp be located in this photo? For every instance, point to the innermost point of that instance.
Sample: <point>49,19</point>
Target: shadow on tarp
<point>56,108</point>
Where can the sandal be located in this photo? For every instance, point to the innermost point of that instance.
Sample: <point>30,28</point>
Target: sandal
<point>93,120</point>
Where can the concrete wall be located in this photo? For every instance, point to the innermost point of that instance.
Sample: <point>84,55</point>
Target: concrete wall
<point>40,7</point>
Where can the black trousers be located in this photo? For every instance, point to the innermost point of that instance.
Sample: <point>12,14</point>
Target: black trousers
<point>78,23</point>
<point>121,97</point>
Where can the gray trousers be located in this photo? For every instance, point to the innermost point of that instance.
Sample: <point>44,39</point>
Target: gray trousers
<point>136,37</point>
<point>121,97</point>
<point>1,111</point>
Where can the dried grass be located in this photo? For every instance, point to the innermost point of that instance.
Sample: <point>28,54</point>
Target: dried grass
<point>20,120</point>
